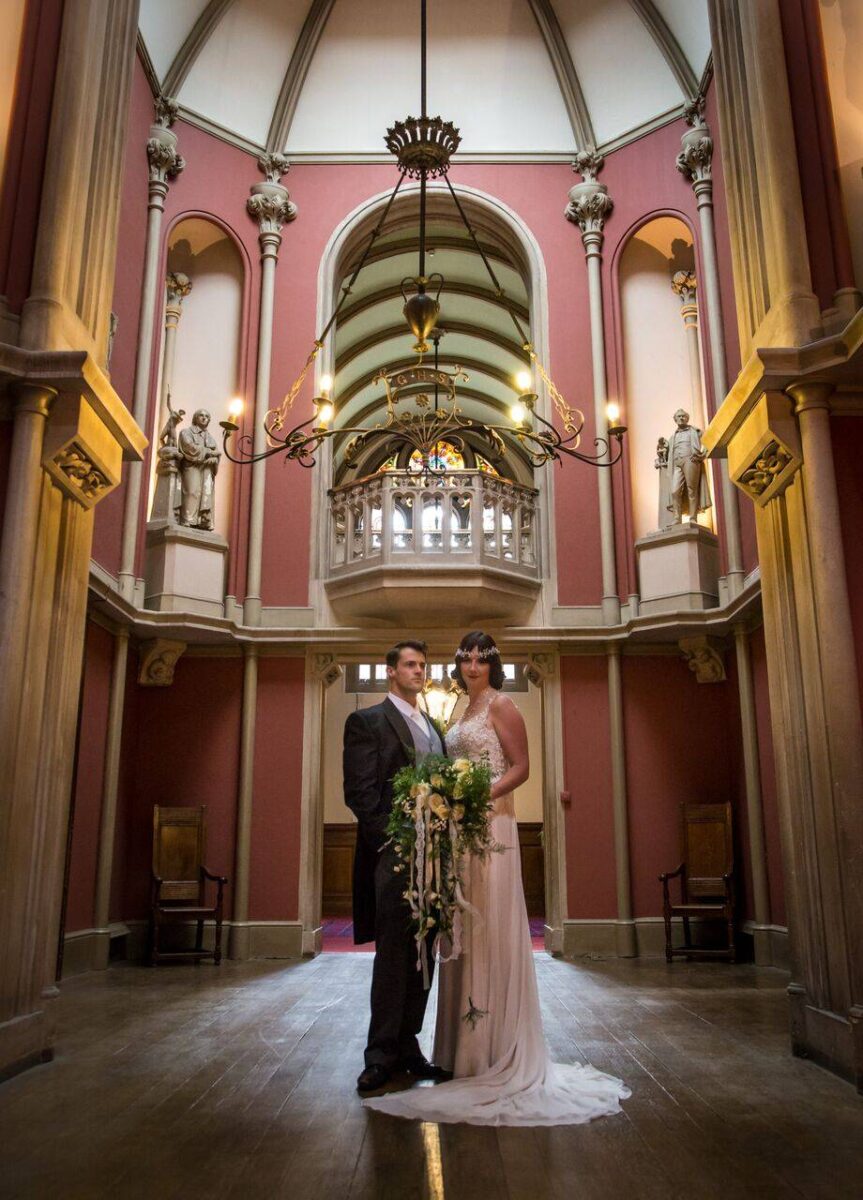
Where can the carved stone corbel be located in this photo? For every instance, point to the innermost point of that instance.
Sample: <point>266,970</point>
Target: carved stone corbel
<point>326,669</point>
<point>703,656</point>
<point>765,455</point>
<point>539,668</point>
<point>157,660</point>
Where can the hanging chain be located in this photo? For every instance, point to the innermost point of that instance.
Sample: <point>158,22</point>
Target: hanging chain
<point>572,419</point>
<point>276,417</point>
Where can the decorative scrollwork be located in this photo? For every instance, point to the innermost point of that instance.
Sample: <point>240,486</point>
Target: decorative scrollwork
<point>769,464</point>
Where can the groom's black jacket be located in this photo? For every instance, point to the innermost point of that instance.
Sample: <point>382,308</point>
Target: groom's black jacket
<point>377,744</point>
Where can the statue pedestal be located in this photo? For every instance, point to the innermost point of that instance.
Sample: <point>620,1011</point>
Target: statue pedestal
<point>184,569</point>
<point>678,568</point>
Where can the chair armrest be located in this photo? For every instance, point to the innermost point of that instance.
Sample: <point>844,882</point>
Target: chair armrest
<point>155,887</point>
<point>666,875</point>
<point>223,879</point>
<point>728,879</point>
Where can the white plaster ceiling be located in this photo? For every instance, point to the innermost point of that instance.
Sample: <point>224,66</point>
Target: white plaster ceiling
<point>520,78</point>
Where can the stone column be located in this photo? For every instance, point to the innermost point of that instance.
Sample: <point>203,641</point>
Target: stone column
<point>754,810</point>
<point>780,455</point>
<point>695,163</point>
<point>589,206</point>
<point>683,284</point>
<point>627,945</point>
<point>239,936</point>
<point>71,434</point>
<point>271,206</point>
<point>165,163</point>
<point>110,784</point>
<point>178,286</point>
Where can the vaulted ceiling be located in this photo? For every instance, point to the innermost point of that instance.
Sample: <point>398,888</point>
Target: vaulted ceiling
<point>323,79</point>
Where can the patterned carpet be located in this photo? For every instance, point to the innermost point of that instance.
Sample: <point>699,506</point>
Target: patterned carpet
<point>339,935</point>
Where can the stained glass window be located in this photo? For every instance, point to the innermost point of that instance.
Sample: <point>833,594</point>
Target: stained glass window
<point>444,458</point>
<point>485,465</point>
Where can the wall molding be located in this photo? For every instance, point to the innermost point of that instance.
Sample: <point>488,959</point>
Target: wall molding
<point>597,937</point>
<point>89,949</point>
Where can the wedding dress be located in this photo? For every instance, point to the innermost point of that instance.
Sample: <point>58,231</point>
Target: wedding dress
<point>502,1071</point>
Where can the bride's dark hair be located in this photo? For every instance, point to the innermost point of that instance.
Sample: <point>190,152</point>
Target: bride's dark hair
<point>488,652</point>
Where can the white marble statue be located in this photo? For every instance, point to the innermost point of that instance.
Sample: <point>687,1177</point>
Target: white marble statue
<point>683,478</point>
<point>198,461</point>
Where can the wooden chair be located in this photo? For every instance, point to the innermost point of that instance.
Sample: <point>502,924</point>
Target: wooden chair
<point>706,880</point>
<point>179,882</point>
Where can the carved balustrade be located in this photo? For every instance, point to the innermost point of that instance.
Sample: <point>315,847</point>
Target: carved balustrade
<point>398,519</point>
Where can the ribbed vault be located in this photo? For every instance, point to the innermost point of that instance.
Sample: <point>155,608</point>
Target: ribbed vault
<point>322,79</point>
<point>480,336</point>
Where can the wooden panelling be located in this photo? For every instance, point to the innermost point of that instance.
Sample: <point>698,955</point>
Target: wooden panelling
<point>340,841</point>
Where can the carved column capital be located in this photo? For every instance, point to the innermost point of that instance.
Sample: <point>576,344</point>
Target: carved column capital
<point>157,660</point>
<point>177,286</point>
<point>684,285</point>
<point>589,202</point>
<point>696,150</point>
<point>270,203</point>
<point>165,162</point>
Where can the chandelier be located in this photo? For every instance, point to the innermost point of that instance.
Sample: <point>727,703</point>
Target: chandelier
<point>422,408</point>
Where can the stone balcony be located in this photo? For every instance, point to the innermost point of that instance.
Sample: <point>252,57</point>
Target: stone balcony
<point>409,548</point>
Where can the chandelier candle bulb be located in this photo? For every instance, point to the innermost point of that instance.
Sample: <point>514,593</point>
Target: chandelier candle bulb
<point>326,385</point>
<point>524,381</point>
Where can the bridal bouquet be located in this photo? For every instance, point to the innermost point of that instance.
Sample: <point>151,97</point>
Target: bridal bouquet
<point>440,813</point>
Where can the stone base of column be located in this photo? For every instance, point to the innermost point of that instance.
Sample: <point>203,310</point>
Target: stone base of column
<point>678,568</point>
<point>185,570</point>
<point>626,940</point>
<point>239,937</point>
<point>830,1039</point>
<point>25,1042</point>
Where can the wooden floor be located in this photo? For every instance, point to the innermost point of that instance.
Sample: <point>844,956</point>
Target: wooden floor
<point>238,1082</point>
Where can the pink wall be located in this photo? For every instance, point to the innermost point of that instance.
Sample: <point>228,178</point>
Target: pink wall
<point>98,657</point>
<point>126,302</point>
<point>769,799</point>
<point>589,822</point>
<point>182,745</point>
<point>642,179</point>
<point>681,745</point>
<point>21,186</point>
<point>826,224</point>
<point>275,859</point>
<point>847,449</point>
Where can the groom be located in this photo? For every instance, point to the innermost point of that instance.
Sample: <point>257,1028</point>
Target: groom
<point>378,742</point>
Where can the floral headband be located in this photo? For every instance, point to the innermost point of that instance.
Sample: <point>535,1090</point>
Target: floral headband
<point>482,655</point>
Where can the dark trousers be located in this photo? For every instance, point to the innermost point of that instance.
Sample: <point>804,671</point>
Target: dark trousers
<point>398,996</point>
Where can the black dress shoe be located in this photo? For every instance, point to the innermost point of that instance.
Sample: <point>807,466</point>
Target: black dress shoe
<point>423,1069</point>
<point>373,1077</point>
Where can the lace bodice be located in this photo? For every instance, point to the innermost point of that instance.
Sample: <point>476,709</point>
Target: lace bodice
<point>473,736</point>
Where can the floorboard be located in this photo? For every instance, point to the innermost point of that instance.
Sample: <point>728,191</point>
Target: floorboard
<point>238,1082</point>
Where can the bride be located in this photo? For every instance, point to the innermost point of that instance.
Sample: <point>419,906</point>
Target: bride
<point>489,1029</point>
